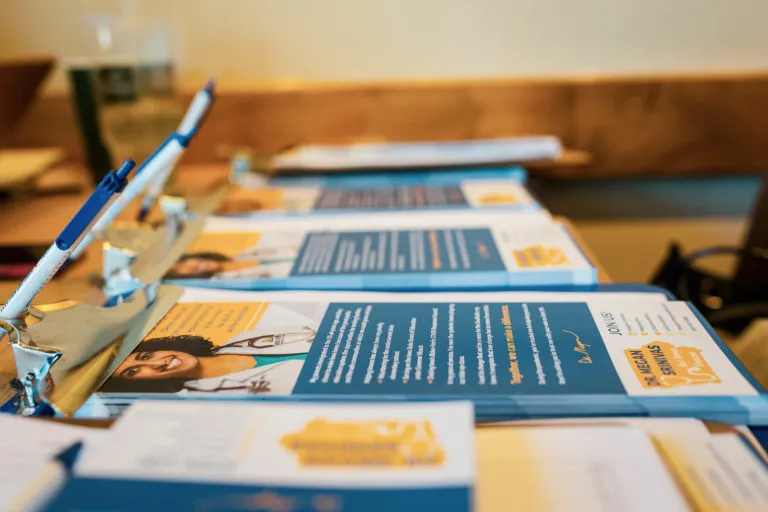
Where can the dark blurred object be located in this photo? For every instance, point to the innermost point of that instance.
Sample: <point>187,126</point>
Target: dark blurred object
<point>84,98</point>
<point>751,278</point>
<point>20,81</point>
<point>729,303</point>
<point>16,261</point>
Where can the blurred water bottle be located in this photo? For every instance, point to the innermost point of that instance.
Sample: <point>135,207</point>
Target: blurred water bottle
<point>123,88</point>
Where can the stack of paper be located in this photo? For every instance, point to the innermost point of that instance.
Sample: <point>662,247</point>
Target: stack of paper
<point>377,252</point>
<point>342,457</point>
<point>619,464</point>
<point>233,456</point>
<point>410,155</point>
<point>457,191</point>
<point>429,230</point>
<point>585,468</point>
<point>514,356</point>
<point>724,471</point>
<point>28,476</point>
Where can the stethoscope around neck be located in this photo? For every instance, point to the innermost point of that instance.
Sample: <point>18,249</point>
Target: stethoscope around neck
<point>274,340</point>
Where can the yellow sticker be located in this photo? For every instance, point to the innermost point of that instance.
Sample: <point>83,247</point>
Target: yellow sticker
<point>498,198</point>
<point>539,256</point>
<point>371,443</point>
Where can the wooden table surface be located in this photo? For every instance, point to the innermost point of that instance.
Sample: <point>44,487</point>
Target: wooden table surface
<point>39,220</point>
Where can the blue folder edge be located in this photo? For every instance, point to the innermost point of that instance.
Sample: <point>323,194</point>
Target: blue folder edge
<point>760,432</point>
<point>115,494</point>
<point>727,351</point>
<point>761,436</point>
<point>8,406</point>
<point>373,179</point>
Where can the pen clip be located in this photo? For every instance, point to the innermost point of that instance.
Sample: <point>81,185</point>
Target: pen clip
<point>88,214</point>
<point>137,256</point>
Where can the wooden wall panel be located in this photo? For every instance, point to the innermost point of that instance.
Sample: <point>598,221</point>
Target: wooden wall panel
<point>631,126</point>
<point>20,82</point>
<point>677,126</point>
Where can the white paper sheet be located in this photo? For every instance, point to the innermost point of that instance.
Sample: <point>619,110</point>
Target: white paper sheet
<point>259,443</point>
<point>420,154</point>
<point>28,445</point>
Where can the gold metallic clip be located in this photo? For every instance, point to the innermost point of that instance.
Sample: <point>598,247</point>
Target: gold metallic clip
<point>65,351</point>
<point>136,255</point>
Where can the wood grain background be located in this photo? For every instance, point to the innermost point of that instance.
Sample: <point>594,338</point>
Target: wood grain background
<point>631,126</point>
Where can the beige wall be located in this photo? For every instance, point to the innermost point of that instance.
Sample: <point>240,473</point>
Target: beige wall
<point>321,40</point>
<point>332,40</point>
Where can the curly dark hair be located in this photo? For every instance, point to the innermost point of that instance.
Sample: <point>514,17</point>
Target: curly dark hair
<point>213,256</point>
<point>189,343</point>
<point>195,345</point>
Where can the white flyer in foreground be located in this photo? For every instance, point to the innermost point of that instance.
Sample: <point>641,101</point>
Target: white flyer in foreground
<point>179,455</point>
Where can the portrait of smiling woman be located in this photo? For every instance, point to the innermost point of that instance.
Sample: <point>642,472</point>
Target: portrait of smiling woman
<point>211,265</point>
<point>265,364</point>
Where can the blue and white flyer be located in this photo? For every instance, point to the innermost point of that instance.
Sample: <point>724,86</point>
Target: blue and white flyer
<point>530,356</point>
<point>163,456</point>
<point>477,189</point>
<point>374,252</point>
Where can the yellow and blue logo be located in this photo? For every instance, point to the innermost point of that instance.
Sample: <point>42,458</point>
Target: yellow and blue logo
<point>663,365</point>
<point>373,443</point>
<point>536,256</point>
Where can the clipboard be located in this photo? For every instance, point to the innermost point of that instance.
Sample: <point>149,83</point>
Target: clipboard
<point>59,367</point>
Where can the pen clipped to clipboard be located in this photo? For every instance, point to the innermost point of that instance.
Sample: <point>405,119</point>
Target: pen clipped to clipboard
<point>63,352</point>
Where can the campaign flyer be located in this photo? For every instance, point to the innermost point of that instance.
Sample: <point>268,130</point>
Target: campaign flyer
<point>424,191</point>
<point>370,253</point>
<point>270,456</point>
<point>513,358</point>
<point>549,468</point>
<point>361,179</point>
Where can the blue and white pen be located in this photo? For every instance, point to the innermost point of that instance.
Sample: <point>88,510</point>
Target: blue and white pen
<point>88,214</point>
<point>193,119</point>
<point>159,162</point>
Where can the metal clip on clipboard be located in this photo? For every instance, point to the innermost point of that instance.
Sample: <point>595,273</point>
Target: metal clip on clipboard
<point>65,351</point>
<point>136,256</point>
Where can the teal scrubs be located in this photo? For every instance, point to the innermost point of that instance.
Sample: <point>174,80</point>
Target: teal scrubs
<point>264,360</point>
